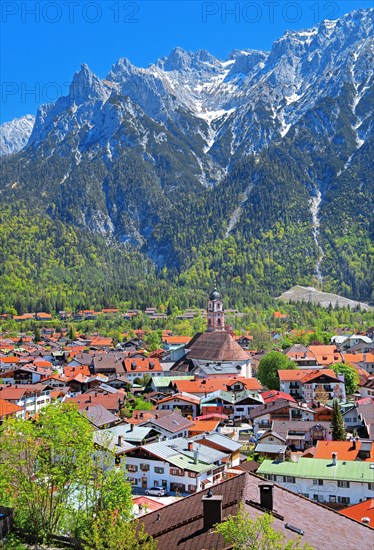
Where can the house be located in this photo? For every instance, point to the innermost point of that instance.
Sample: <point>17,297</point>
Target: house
<point>281,409</point>
<point>367,388</point>
<point>222,443</point>
<point>312,384</point>
<point>301,355</point>
<point>98,415</point>
<point>8,409</point>
<point>232,404</point>
<point>111,402</point>
<point>345,450</point>
<point>202,387</point>
<point>31,398</point>
<point>187,524</point>
<point>326,354</point>
<point>170,426</point>
<point>363,360</point>
<point>365,411</point>
<point>328,481</point>
<point>188,404</point>
<point>348,341</point>
<point>362,512</point>
<point>273,395</point>
<point>107,364</point>
<point>137,367</point>
<point>164,383</point>
<point>299,434</point>
<point>203,426</point>
<point>179,465</point>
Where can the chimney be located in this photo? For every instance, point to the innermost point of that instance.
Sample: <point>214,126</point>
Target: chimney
<point>156,416</point>
<point>281,455</point>
<point>131,427</point>
<point>334,457</point>
<point>120,440</point>
<point>266,496</point>
<point>212,509</point>
<point>354,443</point>
<point>196,455</point>
<point>190,446</point>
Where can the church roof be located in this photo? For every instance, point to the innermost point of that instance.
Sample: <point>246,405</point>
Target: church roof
<point>215,295</point>
<point>216,346</point>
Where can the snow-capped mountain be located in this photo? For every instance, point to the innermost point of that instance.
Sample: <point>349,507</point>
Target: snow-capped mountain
<point>197,142</point>
<point>15,134</point>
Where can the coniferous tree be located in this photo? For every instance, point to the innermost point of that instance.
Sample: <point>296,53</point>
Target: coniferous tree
<point>337,423</point>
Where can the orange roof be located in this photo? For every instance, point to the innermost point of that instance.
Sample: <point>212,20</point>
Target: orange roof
<point>304,375</point>
<point>142,364</point>
<point>110,310</point>
<point>43,315</point>
<point>182,397</point>
<point>204,426</point>
<point>214,384</point>
<point>42,363</point>
<point>344,449</point>
<point>9,359</point>
<point>102,342</point>
<point>326,355</point>
<point>7,408</point>
<point>176,339</point>
<point>358,358</point>
<point>70,372</point>
<point>361,510</point>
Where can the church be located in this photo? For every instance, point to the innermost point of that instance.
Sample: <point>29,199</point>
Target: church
<point>214,353</point>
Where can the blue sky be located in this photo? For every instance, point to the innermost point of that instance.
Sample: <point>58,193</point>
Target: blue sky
<point>44,42</point>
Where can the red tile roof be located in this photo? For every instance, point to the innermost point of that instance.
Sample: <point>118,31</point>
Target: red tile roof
<point>214,384</point>
<point>362,510</point>
<point>142,364</point>
<point>8,409</point>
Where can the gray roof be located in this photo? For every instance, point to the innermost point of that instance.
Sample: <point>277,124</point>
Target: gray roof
<point>109,441</point>
<point>221,440</point>
<point>268,448</point>
<point>137,434</point>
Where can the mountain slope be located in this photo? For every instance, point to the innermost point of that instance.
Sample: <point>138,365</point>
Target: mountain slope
<point>239,171</point>
<point>14,135</point>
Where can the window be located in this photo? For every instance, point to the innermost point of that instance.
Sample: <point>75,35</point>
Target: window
<point>371,486</point>
<point>317,481</point>
<point>240,409</point>
<point>191,488</point>
<point>288,479</point>
<point>332,498</point>
<point>192,474</point>
<point>271,477</point>
<point>131,468</point>
<point>344,484</point>
<point>176,472</point>
<point>159,470</point>
<point>344,500</point>
<point>144,467</point>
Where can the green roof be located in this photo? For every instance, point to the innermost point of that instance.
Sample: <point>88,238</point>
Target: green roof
<point>164,381</point>
<point>318,468</point>
<point>186,463</point>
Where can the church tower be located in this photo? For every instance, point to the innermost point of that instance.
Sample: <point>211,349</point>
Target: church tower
<point>216,316</point>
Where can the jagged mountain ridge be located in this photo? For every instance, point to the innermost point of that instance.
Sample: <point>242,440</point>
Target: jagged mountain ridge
<point>201,145</point>
<point>15,134</point>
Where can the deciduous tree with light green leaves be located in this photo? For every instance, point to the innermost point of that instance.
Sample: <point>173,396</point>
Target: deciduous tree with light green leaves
<point>269,366</point>
<point>245,533</point>
<point>351,378</point>
<point>54,477</point>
